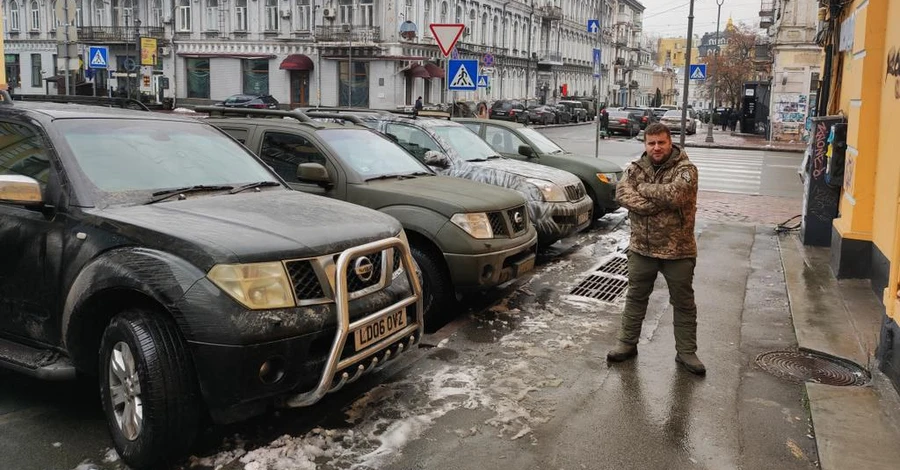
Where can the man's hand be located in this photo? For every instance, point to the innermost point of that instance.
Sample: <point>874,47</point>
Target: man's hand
<point>628,194</point>
<point>675,194</point>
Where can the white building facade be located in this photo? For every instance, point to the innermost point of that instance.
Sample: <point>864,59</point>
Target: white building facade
<point>372,53</point>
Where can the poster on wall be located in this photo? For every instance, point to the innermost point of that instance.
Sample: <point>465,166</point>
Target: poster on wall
<point>148,51</point>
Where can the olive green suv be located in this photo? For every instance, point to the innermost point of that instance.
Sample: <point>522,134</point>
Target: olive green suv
<point>464,235</point>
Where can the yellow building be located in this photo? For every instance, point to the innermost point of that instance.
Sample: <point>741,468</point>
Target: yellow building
<point>671,52</point>
<point>866,90</point>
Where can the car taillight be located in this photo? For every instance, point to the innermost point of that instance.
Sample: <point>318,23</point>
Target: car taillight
<point>644,119</point>
<point>512,113</point>
<point>623,121</point>
<point>258,106</point>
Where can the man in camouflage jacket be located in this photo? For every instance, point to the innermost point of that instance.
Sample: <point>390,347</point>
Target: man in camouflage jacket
<point>660,192</point>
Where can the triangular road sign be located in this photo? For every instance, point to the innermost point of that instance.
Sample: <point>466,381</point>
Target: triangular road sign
<point>698,74</point>
<point>482,81</point>
<point>446,35</point>
<point>98,60</point>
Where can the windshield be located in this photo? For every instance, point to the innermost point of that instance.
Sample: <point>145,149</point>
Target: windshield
<point>369,154</point>
<point>543,144</point>
<point>124,155</point>
<point>464,142</point>
<point>673,113</point>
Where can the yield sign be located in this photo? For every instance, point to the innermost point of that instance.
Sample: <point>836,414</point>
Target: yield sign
<point>446,35</point>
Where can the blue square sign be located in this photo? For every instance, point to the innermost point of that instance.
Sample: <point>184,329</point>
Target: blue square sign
<point>98,57</point>
<point>697,72</point>
<point>462,75</point>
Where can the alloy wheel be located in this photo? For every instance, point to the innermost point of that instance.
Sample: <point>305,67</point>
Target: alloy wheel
<point>125,391</point>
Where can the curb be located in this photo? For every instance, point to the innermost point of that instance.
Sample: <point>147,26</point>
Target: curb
<point>744,147</point>
<point>570,124</point>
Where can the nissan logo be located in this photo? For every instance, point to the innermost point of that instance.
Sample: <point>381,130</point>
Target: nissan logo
<point>517,217</point>
<point>364,268</point>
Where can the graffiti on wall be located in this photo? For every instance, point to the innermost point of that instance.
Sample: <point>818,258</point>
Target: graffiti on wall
<point>849,168</point>
<point>893,70</point>
<point>789,115</point>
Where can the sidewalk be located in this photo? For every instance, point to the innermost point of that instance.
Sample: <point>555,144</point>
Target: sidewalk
<point>734,140</point>
<point>855,427</point>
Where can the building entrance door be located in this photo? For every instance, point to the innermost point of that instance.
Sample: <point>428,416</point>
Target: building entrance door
<point>299,88</point>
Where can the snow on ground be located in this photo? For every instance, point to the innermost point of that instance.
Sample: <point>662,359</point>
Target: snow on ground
<point>508,383</point>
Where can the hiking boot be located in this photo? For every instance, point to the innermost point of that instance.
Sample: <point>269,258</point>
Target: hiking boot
<point>691,363</point>
<point>622,352</point>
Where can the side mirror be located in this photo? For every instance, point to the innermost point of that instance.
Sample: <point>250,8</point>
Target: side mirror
<point>313,173</point>
<point>527,151</point>
<point>20,190</point>
<point>437,159</point>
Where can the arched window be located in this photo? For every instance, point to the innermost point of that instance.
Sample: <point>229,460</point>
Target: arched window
<point>427,20</point>
<point>35,16</point>
<point>459,14</point>
<point>272,15</point>
<point>79,13</point>
<point>240,15</point>
<point>444,9</point>
<point>495,39</point>
<point>471,26</point>
<point>54,18</point>
<point>14,16</point>
<point>212,15</point>
<point>515,36</point>
<point>484,29</point>
<point>184,15</point>
<point>156,13</point>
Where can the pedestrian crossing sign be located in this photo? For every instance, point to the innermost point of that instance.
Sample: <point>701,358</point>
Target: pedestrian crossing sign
<point>461,75</point>
<point>99,57</point>
<point>483,81</point>
<point>698,72</point>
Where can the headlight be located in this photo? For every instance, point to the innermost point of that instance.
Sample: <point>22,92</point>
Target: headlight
<point>609,178</point>
<point>550,191</point>
<point>475,224</point>
<point>257,286</point>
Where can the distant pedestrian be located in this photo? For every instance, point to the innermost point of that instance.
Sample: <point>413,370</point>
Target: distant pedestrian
<point>723,118</point>
<point>604,123</point>
<point>733,120</point>
<point>660,192</point>
<point>418,106</point>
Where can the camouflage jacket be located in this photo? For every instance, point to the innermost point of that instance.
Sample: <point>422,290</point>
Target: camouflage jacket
<point>662,206</point>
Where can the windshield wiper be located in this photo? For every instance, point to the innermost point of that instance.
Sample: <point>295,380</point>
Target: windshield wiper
<point>162,195</point>
<point>384,177</point>
<point>494,157</point>
<point>258,184</point>
<point>420,173</point>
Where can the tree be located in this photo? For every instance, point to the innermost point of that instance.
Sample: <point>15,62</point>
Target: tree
<point>733,66</point>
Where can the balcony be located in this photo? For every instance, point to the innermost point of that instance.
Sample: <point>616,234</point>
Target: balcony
<point>549,57</point>
<point>638,26</point>
<point>766,13</point>
<point>551,13</point>
<point>117,34</point>
<point>346,33</point>
<point>620,61</point>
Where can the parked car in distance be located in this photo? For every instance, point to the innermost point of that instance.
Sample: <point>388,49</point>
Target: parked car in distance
<point>645,115</point>
<point>672,120</point>
<point>250,101</point>
<point>541,114</point>
<point>579,114</point>
<point>516,141</point>
<point>158,255</point>
<point>464,235</point>
<point>659,112</point>
<point>563,113</point>
<point>624,122</point>
<point>509,110</point>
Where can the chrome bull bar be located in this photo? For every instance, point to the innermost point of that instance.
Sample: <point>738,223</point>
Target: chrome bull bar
<point>409,335</point>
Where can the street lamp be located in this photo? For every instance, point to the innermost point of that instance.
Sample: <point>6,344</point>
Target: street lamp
<point>687,75</point>
<point>137,36</point>
<point>712,103</point>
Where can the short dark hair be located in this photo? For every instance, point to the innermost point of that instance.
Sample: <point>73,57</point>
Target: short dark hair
<point>658,128</point>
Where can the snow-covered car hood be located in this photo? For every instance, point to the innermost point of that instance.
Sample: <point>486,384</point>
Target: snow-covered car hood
<point>528,170</point>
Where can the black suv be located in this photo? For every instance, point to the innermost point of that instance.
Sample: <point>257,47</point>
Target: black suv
<point>161,256</point>
<point>250,101</point>
<point>509,110</point>
<point>645,115</point>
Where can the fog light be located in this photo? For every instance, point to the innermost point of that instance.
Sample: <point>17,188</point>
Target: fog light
<point>487,272</point>
<point>271,371</point>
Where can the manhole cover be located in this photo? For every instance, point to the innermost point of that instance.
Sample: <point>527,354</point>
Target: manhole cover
<point>617,266</point>
<point>808,366</point>
<point>606,282</point>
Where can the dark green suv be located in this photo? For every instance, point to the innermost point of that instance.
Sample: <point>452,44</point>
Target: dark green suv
<point>464,235</point>
<point>524,143</point>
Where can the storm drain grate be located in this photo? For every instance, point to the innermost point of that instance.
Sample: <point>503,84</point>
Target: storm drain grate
<point>607,282</point>
<point>808,366</point>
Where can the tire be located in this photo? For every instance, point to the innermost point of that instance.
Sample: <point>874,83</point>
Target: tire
<point>598,210</point>
<point>437,289</point>
<point>147,346</point>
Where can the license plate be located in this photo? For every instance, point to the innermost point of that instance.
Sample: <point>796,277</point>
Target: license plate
<point>378,329</point>
<point>525,266</point>
<point>584,217</point>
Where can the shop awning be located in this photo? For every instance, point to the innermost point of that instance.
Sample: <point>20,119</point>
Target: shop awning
<point>434,70</point>
<point>296,62</point>
<point>417,71</point>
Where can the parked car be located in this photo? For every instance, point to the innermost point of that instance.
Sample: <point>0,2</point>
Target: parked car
<point>645,115</point>
<point>624,122</point>
<point>509,110</point>
<point>672,120</point>
<point>579,114</point>
<point>250,101</point>
<point>558,205</point>
<point>160,256</point>
<point>464,235</point>
<point>563,113</point>
<point>659,112</point>
<point>516,141</point>
<point>541,114</point>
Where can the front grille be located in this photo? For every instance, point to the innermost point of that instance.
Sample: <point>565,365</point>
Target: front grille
<point>575,192</point>
<point>498,225</point>
<point>357,283</point>
<point>306,283</point>
<point>397,263</point>
<point>522,224</point>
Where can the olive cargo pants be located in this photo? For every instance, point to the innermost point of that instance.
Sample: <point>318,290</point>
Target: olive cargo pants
<point>679,275</point>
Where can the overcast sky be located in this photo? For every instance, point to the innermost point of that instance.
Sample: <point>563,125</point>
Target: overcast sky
<point>669,18</point>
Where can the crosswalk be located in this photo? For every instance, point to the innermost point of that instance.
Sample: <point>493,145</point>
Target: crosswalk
<point>734,171</point>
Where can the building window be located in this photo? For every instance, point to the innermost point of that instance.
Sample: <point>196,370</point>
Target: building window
<point>444,9</point>
<point>355,88</point>
<point>484,29</point>
<point>184,15</point>
<point>303,15</point>
<point>428,19</point>
<point>272,15</point>
<point>346,11</point>
<point>212,15</point>
<point>459,14</point>
<point>255,76</point>
<point>14,16</point>
<point>36,70</point>
<point>470,28</point>
<point>197,78</point>
<point>54,18</point>
<point>240,15</point>
<point>79,13</point>
<point>35,16</point>
<point>366,12</point>
<point>156,13</point>
<point>496,36</point>
<point>12,71</point>
<point>408,10</point>
<point>100,16</point>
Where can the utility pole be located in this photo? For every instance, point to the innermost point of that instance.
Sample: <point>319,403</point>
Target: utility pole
<point>599,42</point>
<point>687,73</point>
<point>715,83</point>
<point>66,46</point>
<point>528,63</point>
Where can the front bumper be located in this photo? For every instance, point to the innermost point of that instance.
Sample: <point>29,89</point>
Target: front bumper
<point>556,220</point>
<point>486,270</point>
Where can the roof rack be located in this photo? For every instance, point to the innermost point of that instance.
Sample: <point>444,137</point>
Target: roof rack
<point>109,102</point>
<point>422,113</point>
<point>343,116</point>
<point>245,112</point>
<point>331,109</point>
